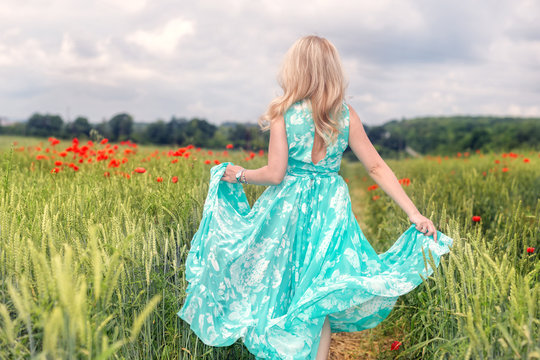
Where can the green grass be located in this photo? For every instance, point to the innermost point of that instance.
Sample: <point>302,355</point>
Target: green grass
<point>482,302</point>
<point>91,266</point>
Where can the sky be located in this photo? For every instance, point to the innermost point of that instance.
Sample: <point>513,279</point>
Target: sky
<point>219,60</point>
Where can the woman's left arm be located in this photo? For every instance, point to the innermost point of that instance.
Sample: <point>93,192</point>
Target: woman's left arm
<point>278,153</point>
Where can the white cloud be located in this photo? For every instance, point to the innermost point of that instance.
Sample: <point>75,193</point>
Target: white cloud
<point>519,110</point>
<point>219,60</point>
<point>163,40</point>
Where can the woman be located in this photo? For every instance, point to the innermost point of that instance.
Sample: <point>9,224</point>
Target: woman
<point>286,273</point>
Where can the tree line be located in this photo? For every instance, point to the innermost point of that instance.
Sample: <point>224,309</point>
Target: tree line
<point>177,131</point>
<point>445,135</point>
<point>425,135</point>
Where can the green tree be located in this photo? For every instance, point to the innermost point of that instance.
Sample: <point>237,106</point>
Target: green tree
<point>199,131</point>
<point>104,129</point>
<point>121,126</point>
<point>79,127</point>
<point>157,133</point>
<point>175,130</point>
<point>241,135</point>
<point>44,125</point>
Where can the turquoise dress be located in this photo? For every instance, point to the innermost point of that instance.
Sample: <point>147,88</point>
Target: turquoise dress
<point>271,273</point>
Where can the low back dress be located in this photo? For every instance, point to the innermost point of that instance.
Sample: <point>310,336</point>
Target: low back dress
<point>269,274</point>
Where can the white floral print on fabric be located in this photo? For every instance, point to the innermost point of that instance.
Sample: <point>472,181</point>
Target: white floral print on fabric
<point>271,273</point>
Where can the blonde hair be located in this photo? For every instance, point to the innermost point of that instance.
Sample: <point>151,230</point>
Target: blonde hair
<point>311,70</point>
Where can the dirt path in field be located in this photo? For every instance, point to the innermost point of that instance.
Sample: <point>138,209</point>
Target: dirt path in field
<point>367,344</point>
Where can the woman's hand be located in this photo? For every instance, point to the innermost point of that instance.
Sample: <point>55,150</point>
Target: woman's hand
<point>230,173</point>
<point>424,225</point>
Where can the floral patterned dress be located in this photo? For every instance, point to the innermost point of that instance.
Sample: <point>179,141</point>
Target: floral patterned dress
<point>271,273</point>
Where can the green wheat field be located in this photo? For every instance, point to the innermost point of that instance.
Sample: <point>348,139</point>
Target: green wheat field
<point>94,237</point>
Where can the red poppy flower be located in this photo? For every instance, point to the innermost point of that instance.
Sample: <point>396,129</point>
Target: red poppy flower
<point>497,161</point>
<point>216,162</point>
<point>106,174</point>
<point>54,141</point>
<point>395,345</point>
<point>41,157</point>
<point>207,162</point>
<point>375,197</point>
<point>526,160</point>
<point>530,250</point>
<point>505,169</point>
<point>476,218</point>
<point>159,179</point>
<point>104,141</point>
<point>261,152</point>
<point>174,179</point>
<point>180,151</point>
<point>140,170</point>
<point>229,146</point>
<point>75,167</point>
<point>55,170</point>
<point>63,154</point>
<point>407,181</point>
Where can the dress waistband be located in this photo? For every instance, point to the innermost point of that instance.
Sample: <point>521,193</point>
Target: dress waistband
<point>299,172</point>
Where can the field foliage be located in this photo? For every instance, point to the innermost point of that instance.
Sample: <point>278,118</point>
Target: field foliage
<point>92,254</point>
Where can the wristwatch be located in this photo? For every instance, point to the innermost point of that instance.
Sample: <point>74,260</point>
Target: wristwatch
<point>239,175</point>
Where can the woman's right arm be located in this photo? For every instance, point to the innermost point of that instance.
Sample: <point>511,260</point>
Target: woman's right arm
<point>381,173</point>
<point>278,153</point>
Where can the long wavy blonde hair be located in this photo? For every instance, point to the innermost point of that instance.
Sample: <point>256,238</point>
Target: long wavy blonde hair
<point>311,70</point>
